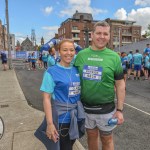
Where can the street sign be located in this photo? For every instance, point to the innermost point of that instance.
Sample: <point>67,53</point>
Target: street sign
<point>1,127</point>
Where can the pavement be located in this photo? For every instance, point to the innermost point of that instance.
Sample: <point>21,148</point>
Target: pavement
<point>20,119</point>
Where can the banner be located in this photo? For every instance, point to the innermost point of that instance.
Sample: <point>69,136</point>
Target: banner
<point>21,55</point>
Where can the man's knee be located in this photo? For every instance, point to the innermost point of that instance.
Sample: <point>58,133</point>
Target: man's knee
<point>106,139</point>
<point>92,132</point>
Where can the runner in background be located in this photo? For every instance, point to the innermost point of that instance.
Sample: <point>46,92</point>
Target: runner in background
<point>146,65</point>
<point>45,59</point>
<point>33,60</point>
<point>4,60</point>
<point>51,57</point>
<point>130,63</point>
<point>137,61</point>
<point>40,62</point>
<point>124,61</point>
<point>29,61</point>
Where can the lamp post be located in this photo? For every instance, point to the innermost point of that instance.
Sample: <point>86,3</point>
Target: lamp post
<point>119,38</point>
<point>8,36</point>
<point>86,37</point>
<point>4,44</point>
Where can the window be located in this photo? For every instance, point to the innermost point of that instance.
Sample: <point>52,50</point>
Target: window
<point>74,28</point>
<point>64,30</point>
<point>76,42</point>
<point>75,35</point>
<point>115,39</point>
<point>137,32</point>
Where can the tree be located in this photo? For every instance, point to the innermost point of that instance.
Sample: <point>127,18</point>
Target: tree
<point>147,32</point>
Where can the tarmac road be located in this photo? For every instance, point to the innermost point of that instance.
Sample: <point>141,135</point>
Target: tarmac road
<point>134,134</point>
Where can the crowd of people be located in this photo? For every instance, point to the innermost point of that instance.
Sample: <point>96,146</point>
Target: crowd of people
<point>43,60</point>
<point>136,63</point>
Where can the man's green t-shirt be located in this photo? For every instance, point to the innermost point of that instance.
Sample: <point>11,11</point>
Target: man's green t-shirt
<point>98,70</point>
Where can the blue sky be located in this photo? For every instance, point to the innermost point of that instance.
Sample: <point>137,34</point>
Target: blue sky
<point>45,16</point>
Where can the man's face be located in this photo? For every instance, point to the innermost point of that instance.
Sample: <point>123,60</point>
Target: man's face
<point>100,37</point>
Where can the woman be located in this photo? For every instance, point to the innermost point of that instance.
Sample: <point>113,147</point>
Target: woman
<point>64,112</point>
<point>51,58</point>
<point>146,65</point>
<point>45,59</point>
<point>33,60</point>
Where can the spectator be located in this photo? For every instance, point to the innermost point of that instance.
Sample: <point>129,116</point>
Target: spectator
<point>4,60</point>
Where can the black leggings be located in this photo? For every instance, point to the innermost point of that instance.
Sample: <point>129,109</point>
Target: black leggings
<point>33,65</point>
<point>65,142</point>
<point>45,64</point>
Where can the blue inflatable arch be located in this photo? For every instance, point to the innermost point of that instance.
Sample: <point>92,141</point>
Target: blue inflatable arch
<point>54,42</point>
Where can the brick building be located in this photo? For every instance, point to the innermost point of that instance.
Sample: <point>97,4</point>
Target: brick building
<point>80,26</point>
<point>3,37</point>
<point>76,28</point>
<point>123,32</point>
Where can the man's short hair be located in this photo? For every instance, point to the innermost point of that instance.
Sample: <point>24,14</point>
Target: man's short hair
<point>137,50</point>
<point>100,23</point>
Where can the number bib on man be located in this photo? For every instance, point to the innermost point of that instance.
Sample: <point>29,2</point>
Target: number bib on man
<point>92,73</point>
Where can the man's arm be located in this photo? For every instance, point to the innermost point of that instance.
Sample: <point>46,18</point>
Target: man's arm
<point>120,93</point>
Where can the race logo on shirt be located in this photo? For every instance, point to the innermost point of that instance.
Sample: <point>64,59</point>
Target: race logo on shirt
<point>92,73</point>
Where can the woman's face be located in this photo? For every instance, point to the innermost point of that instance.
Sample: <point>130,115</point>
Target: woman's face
<point>67,52</point>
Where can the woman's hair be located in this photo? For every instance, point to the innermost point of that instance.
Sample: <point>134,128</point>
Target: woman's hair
<point>50,50</point>
<point>63,41</point>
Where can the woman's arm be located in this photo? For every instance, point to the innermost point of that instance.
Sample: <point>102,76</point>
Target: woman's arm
<point>51,131</point>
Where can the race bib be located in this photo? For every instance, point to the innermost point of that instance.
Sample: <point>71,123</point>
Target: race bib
<point>74,89</point>
<point>92,73</point>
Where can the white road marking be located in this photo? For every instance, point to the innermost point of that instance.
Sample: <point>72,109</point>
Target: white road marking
<point>138,109</point>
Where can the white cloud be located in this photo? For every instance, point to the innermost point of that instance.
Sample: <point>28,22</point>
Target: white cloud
<point>79,2</point>
<point>20,37</point>
<point>51,28</point>
<point>50,32</point>
<point>141,16</point>
<point>142,2</point>
<point>81,6</point>
<point>121,14</point>
<point>47,10</point>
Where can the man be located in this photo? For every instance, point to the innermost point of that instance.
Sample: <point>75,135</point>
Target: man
<point>4,60</point>
<point>137,61</point>
<point>147,49</point>
<point>130,62</point>
<point>146,65</point>
<point>100,70</point>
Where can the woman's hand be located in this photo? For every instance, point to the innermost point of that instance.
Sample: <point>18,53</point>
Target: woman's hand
<point>52,133</point>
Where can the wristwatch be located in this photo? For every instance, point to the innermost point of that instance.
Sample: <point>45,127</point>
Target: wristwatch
<point>121,110</point>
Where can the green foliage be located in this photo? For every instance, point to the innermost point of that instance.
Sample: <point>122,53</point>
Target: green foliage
<point>39,47</point>
<point>147,32</point>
